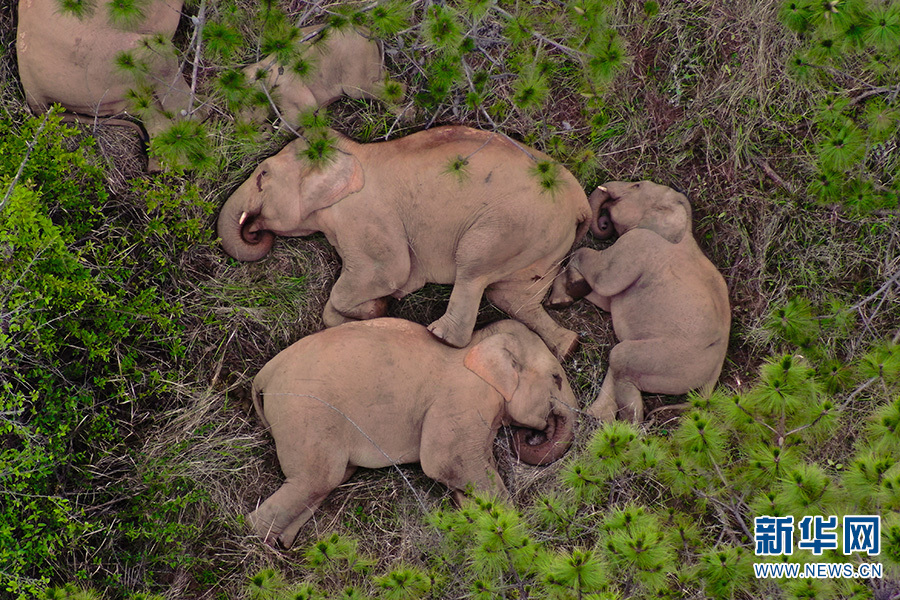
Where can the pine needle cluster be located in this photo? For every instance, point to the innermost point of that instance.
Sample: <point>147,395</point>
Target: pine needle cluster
<point>858,41</point>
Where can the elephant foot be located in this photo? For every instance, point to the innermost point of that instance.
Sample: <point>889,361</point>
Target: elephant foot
<point>153,164</point>
<point>450,333</point>
<point>573,287</point>
<point>263,529</point>
<point>559,300</point>
<point>564,344</point>
<point>331,317</point>
<point>577,287</point>
<point>603,410</point>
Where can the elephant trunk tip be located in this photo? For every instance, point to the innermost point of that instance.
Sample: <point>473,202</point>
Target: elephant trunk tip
<point>542,447</point>
<point>239,241</point>
<point>602,226</point>
<point>601,223</point>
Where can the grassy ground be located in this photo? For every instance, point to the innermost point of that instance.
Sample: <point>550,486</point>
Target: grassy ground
<point>703,103</point>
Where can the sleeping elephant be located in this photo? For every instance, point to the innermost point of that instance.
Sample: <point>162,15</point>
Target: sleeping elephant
<point>399,218</point>
<point>384,392</point>
<point>73,61</point>
<point>669,304</point>
<point>342,62</point>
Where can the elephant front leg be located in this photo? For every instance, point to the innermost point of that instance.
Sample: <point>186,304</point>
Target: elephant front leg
<point>456,326</point>
<point>370,309</point>
<point>355,297</point>
<point>361,291</point>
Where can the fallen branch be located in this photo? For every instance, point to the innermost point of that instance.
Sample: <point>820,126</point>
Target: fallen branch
<point>773,175</point>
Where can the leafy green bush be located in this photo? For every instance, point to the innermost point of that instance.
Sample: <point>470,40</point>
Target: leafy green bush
<point>85,333</point>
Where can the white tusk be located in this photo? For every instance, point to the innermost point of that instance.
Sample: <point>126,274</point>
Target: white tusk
<point>243,218</point>
<point>602,189</point>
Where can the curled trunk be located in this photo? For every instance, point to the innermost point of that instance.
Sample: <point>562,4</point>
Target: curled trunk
<point>240,239</point>
<point>542,447</point>
<point>601,224</point>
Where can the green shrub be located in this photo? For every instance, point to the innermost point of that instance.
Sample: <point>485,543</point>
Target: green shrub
<point>81,315</point>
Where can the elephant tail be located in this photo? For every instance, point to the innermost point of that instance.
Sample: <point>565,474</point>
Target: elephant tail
<point>256,394</point>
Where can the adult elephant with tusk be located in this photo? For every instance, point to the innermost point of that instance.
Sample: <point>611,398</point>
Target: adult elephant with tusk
<point>384,392</point>
<point>668,302</point>
<point>447,205</point>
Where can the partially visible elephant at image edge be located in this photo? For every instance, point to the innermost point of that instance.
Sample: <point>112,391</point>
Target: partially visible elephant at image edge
<point>669,304</point>
<point>399,217</point>
<point>72,61</point>
<point>384,392</point>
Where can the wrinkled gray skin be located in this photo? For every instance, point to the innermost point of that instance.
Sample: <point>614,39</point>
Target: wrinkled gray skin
<point>71,61</point>
<point>383,392</point>
<point>399,219</point>
<point>343,63</point>
<point>668,302</point>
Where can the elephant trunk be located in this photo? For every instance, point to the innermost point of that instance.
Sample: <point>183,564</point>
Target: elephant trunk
<point>234,229</point>
<point>601,224</point>
<point>542,447</point>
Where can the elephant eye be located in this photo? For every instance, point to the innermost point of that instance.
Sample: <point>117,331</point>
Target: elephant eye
<point>557,379</point>
<point>259,179</point>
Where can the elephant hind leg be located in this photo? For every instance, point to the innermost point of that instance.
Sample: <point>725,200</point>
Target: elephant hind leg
<point>613,394</point>
<point>287,537</point>
<point>280,517</point>
<point>522,300</point>
<point>658,366</point>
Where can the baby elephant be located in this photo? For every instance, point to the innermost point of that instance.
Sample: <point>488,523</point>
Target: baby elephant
<point>341,63</point>
<point>383,392</point>
<point>669,304</point>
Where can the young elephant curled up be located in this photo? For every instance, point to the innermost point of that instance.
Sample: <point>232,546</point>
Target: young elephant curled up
<point>342,63</point>
<point>384,392</point>
<point>668,302</point>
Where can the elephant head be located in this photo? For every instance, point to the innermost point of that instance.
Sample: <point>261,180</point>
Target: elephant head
<point>281,197</point>
<point>539,403</point>
<point>620,206</point>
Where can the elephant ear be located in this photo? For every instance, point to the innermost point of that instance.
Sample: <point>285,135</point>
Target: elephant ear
<point>670,216</point>
<point>494,360</point>
<point>498,361</point>
<point>322,185</point>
